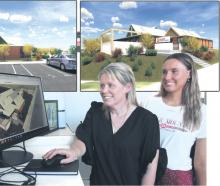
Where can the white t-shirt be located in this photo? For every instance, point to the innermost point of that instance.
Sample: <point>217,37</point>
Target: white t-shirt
<point>173,137</point>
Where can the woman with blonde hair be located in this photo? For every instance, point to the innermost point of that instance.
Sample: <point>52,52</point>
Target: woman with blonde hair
<point>119,139</point>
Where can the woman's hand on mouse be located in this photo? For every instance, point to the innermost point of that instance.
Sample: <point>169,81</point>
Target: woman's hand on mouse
<point>69,153</point>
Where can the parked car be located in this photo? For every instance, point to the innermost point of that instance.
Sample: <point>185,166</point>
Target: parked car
<point>64,62</point>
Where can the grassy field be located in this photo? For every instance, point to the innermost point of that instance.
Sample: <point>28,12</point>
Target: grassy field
<point>89,72</point>
<point>215,58</point>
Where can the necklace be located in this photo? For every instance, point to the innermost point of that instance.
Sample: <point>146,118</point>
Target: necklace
<point>117,122</point>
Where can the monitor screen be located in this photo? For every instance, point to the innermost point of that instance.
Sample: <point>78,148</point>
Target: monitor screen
<point>22,109</point>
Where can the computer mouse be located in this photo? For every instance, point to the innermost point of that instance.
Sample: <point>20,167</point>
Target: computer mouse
<point>54,161</point>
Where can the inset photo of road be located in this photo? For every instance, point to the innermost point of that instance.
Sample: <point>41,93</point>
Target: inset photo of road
<point>38,38</point>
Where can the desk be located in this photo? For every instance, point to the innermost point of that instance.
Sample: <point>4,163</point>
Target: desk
<point>39,146</point>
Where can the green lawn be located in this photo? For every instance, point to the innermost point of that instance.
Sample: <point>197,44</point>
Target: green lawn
<point>90,71</point>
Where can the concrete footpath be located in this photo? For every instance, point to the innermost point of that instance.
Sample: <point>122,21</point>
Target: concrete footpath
<point>23,62</point>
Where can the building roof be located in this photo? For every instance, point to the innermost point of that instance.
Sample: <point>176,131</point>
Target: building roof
<point>182,32</point>
<point>2,41</point>
<point>148,30</point>
<point>10,100</point>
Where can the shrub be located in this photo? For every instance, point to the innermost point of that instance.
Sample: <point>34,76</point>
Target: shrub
<point>203,48</point>
<point>139,61</point>
<point>86,60</point>
<point>152,65</point>
<point>135,67</point>
<point>106,62</point>
<point>45,56</point>
<point>198,53</point>
<point>118,59</point>
<point>148,71</point>
<point>132,58</point>
<point>116,53</point>
<point>151,52</point>
<point>38,56</point>
<point>132,50</point>
<point>209,55</point>
<point>100,57</point>
<point>140,50</point>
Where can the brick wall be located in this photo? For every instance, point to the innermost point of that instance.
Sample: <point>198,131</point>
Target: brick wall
<point>15,53</point>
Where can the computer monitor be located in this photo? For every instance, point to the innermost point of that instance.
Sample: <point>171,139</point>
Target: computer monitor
<point>22,115</point>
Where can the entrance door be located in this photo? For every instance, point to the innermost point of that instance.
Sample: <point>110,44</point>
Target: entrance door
<point>175,43</point>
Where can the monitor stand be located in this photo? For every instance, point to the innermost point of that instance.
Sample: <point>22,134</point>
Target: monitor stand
<point>14,157</point>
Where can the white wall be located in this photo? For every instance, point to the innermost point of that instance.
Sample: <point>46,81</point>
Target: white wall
<point>123,45</point>
<point>164,46</point>
<point>76,104</point>
<point>106,48</point>
<point>213,128</point>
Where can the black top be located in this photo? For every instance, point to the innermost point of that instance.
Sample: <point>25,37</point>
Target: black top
<point>120,158</point>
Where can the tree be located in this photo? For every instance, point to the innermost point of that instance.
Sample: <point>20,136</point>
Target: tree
<point>4,51</point>
<point>27,50</point>
<point>58,51</point>
<point>72,49</point>
<point>190,43</point>
<point>92,46</point>
<point>147,41</point>
<point>52,51</point>
<point>38,54</point>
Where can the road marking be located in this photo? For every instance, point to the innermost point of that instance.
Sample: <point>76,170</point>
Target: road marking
<point>27,70</point>
<point>13,69</point>
<point>63,73</point>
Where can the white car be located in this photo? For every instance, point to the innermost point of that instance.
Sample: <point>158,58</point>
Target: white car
<point>64,62</point>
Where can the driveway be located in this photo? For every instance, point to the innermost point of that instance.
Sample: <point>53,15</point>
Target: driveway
<point>53,80</point>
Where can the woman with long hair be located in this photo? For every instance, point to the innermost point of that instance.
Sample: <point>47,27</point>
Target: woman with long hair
<point>182,120</point>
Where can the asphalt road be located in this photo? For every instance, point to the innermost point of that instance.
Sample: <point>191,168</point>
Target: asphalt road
<point>53,79</point>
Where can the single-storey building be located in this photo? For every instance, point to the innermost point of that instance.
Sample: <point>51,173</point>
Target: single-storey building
<point>174,36</point>
<point>163,40</point>
<point>15,52</point>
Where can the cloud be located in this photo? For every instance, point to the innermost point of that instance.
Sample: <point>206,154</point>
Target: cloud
<point>167,23</point>
<point>202,32</point>
<point>74,29</point>
<point>86,15</point>
<point>4,16</point>
<point>128,5</point>
<point>18,18</point>
<point>15,39</point>
<point>47,12</point>
<point>118,25</point>
<point>54,29</point>
<point>2,28</point>
<point>114,19</point>
<point>89,23</point>
<point>64,18</point>
<point>91,30</point>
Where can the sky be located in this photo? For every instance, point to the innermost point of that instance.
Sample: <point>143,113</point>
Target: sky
<point>42,24</point>
<point>200,17</point>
